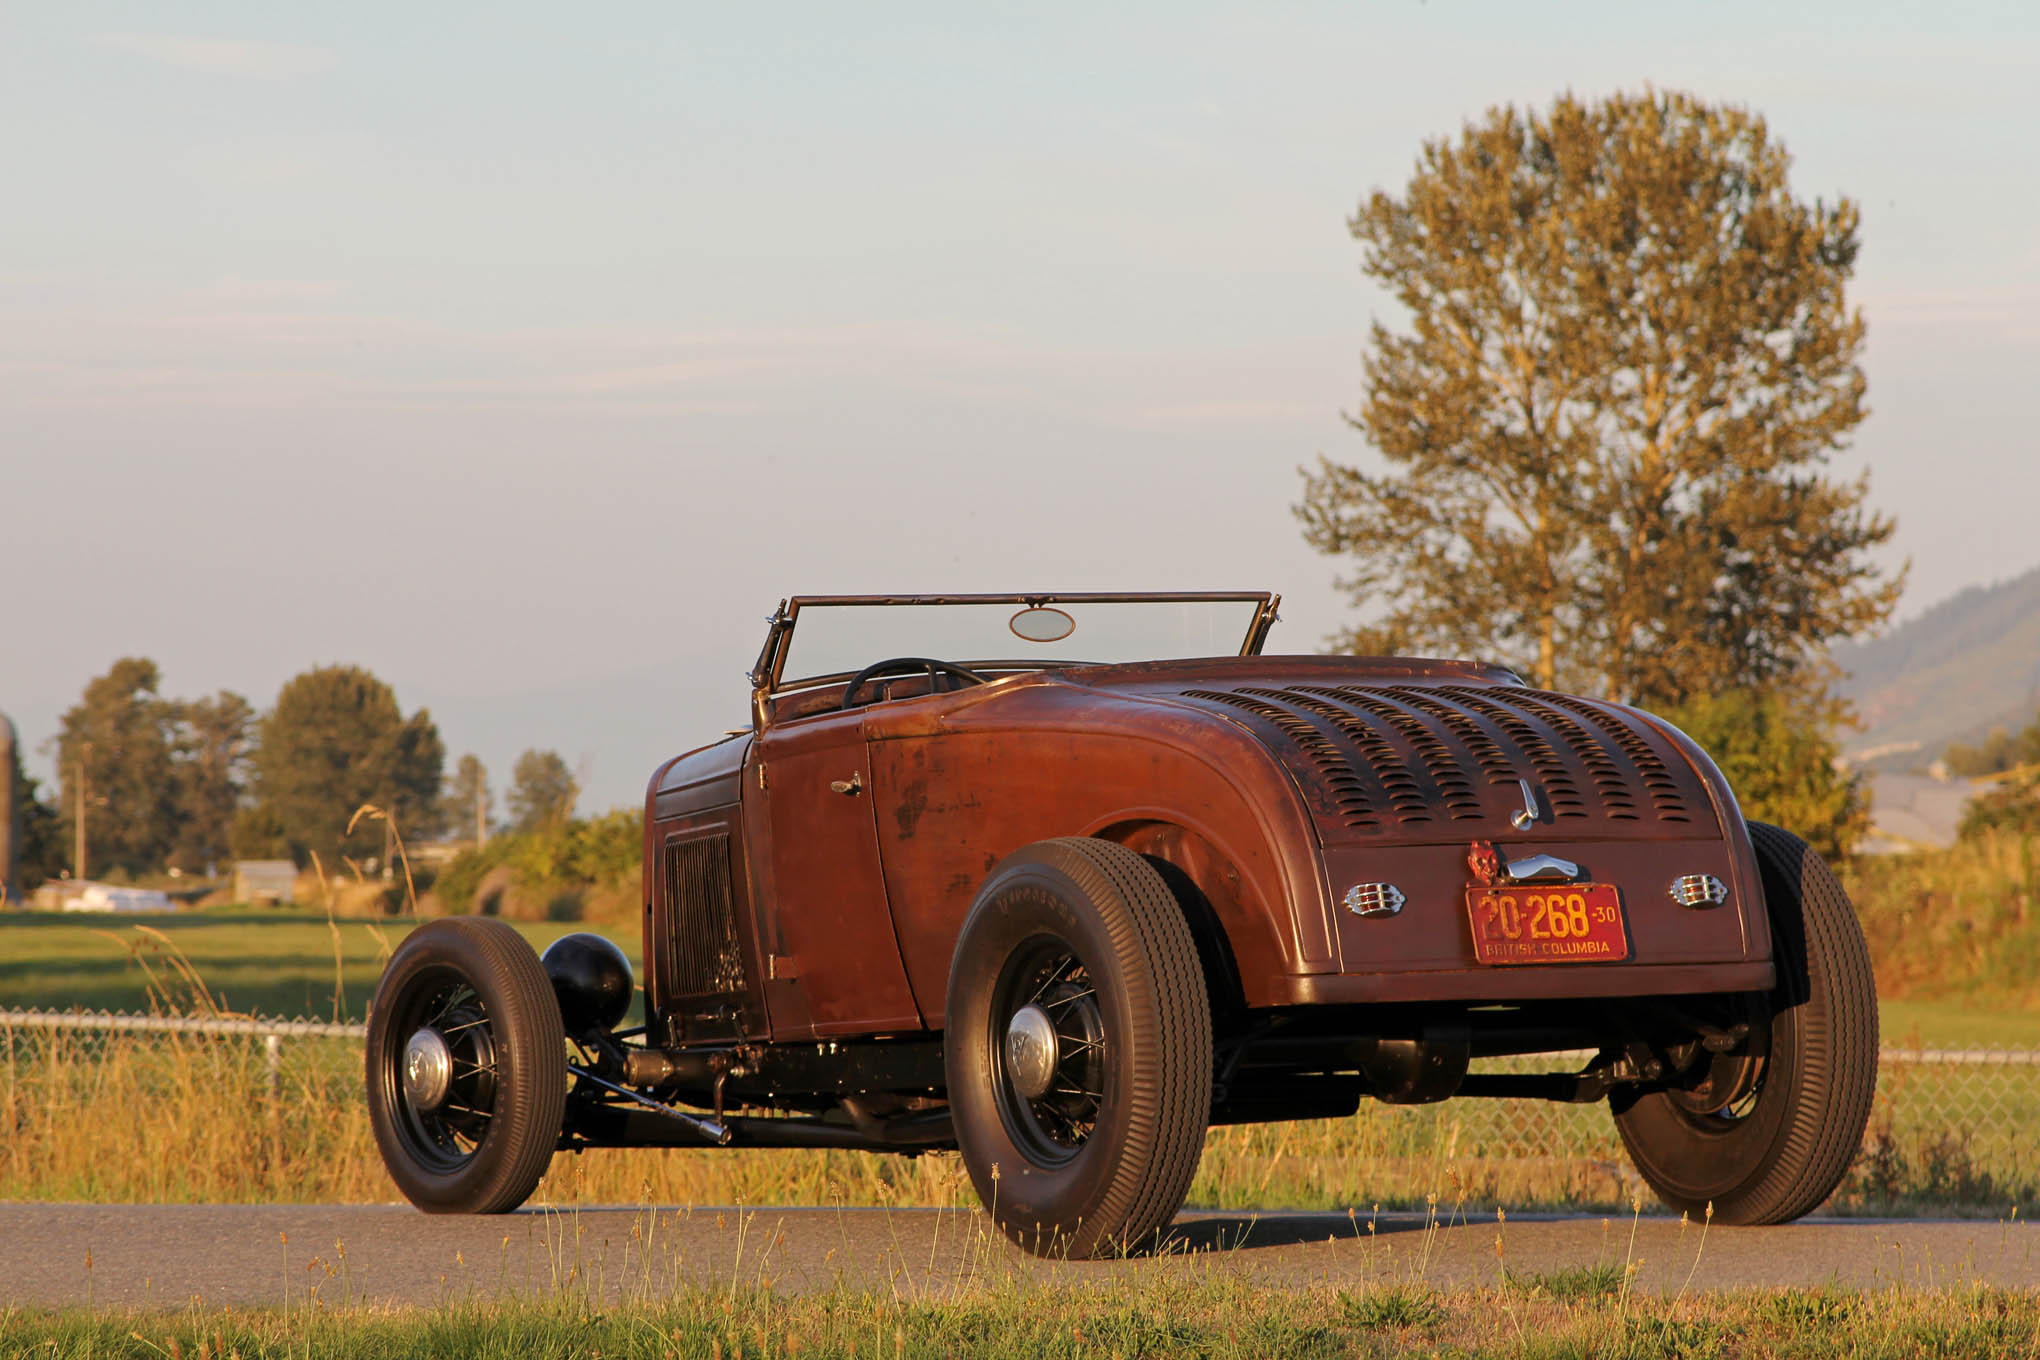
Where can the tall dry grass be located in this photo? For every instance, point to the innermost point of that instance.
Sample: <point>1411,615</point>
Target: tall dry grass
<point>1961,924</point>
<point>150,1118</point>
<point>181,1118</point>
<point>184,1118</point>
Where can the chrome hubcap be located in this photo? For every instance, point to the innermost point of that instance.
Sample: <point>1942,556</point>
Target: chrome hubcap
<point>1032,1051</point>
<point>428,1070</point>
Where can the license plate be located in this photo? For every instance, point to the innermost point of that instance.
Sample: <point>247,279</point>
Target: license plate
<point>1548,923</point>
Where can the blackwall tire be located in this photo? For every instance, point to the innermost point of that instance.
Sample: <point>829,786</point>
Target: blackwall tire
<point>476,987</point>
<point>1781,1150</point>
<point>1087,933</point>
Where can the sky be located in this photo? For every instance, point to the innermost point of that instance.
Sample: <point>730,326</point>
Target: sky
<point>527,355</point>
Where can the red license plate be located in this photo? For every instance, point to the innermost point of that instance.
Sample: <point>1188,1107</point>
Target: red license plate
<point>1547,923</point>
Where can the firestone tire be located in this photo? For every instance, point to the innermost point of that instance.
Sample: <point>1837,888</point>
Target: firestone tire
<point>1084,1144</point>
<point>467,1069</point>
<point>1780,1150</point>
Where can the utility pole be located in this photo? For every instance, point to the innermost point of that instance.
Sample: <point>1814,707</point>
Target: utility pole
<point>78,853</point>
<point>10,814</point>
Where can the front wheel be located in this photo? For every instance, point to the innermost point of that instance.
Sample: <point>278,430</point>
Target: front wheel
<point>467,1067</point>
<point>1078,1048</point>
<point>1771,1132</point>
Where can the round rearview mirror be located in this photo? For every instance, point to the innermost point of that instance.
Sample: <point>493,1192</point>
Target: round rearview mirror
<point>1042,624</point>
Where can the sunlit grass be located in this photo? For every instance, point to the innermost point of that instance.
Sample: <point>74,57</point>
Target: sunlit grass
<point>1220,1311</point>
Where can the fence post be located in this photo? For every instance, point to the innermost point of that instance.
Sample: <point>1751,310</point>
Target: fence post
<point>272,1058</point>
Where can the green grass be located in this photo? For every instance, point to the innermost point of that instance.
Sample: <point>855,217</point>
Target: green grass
<point>1953,1024</point>
<point>258,961</point>
<point>1220,1311</point>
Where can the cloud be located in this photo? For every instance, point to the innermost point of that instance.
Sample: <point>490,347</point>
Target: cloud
<point>223,56</point>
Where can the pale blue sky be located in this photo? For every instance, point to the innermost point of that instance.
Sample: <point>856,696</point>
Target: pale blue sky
<point>528,354</point>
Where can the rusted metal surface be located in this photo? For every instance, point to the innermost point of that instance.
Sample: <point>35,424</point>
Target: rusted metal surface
<point>1274,786</point>
<point>822,895</point>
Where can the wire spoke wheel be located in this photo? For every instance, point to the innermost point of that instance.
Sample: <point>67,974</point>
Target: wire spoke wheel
<point>1079,1071</point>
<point>1049,1051</point>
<point>466,1067</point>
<point>445,1092</point>
<point>1765,1132</point>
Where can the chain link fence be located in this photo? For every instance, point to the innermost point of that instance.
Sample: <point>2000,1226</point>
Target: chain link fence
<point>1951,1129</point>
<point>272,1033</point>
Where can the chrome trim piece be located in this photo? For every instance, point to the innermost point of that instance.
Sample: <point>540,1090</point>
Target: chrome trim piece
<point>1541,869</point>
<point>1698,890</point>
<point>1525,817</point>
<point>1032,1051</point>
<point>1374,899</point>
<point>428,1070</point>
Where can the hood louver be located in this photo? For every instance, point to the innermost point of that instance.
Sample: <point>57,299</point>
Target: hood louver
<point>1439,758</point>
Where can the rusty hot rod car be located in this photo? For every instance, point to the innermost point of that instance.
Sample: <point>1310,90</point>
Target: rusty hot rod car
<point>1063,880</point>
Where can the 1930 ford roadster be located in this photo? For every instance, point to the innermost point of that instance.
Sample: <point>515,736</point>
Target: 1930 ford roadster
<point>1063,880</point>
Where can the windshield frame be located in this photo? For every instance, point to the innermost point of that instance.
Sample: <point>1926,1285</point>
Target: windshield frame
<point>767,679</point>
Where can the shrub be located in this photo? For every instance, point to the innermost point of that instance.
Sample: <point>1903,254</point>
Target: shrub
<point>558,870</point>
<point>2012,807</point>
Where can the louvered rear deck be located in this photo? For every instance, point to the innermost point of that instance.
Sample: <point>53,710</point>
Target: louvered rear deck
<point>1439,761</point>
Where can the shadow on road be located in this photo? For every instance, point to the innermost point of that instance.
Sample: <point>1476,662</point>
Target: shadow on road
<point>1222,1232</point>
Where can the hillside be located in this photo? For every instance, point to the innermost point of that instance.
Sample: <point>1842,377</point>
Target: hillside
<point>1970,663</point>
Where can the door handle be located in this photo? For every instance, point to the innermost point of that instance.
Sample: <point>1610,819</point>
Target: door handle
<point>852,786</point>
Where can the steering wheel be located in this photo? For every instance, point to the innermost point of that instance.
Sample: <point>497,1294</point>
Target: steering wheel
<point>893,664</point>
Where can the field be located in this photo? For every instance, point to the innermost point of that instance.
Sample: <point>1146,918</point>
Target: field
<point>1216,1313</point>
<point>141,1119</point>
<point>281,963</point>
<point>253,961</point>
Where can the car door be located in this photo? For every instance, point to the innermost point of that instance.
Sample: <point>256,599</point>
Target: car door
<point>835,962</point>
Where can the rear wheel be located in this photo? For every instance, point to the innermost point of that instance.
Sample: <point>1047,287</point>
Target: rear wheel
<point>1078,1048</point>
<point>467,1068</point>
<point>1769,1131</point>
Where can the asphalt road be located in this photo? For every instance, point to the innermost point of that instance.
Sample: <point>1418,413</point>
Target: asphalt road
<point>168,1255</point>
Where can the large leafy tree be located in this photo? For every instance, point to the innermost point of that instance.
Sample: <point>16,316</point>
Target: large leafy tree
<point>336,740</point>
<point>542,790</point>
<point>39,845</point>
<point>1782,763</point>
<point>1609,426</point>
<point>213,745</point>
<point>119,739</point>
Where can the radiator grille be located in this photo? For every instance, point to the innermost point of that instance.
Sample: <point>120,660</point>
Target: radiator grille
<point>702,956</point>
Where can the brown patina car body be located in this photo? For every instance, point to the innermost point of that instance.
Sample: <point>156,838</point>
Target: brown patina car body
<point>1319,840</point>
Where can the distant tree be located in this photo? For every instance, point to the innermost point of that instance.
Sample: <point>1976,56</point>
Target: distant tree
<point>1781,758</point>
<point>2011,806</point>
<point>335,740</point>
<point>258,832</point>
<point>542,790</point>
<point>212,749</point>
<point>1608,428</point>
<point>468,803</point>
<point>119,738</point>
<point>40,853</point>
<point>2000,751</point>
